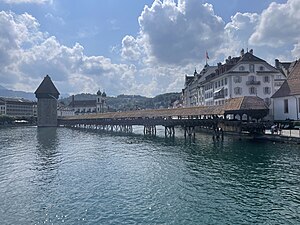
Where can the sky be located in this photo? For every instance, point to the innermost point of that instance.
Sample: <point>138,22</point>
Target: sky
<point>136,47</point>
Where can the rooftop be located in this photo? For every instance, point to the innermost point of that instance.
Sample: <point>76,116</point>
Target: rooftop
<point>83,103</point>
<point>14,100</point>
<point>47,89</point>
<point>291,86</point>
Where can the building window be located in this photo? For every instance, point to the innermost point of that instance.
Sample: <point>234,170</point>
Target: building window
<point>266,79</point>
<point>241,68</point>
<point>252,90</point>
<point>261,68</point>
<point>226,92</point>
<point>267,90</point>
<point>299,105</point>
<point>225,80</point>
<point>237,90</point>
<point>237,79</point>
<point>251,78</point>
<point>286,106</point>
<point>251,68</point>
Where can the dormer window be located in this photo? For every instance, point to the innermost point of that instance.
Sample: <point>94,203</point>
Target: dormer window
<point>241,68</point>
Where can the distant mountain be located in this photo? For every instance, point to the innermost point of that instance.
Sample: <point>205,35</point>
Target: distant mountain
<point>21,94</point>
<point>2,88</point>
<point>119,103</point>
<point>17,94</point>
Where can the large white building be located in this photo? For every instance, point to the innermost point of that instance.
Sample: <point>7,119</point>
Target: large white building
<point>18,107</point>
<point>245,75</point>
<point>287,98</point>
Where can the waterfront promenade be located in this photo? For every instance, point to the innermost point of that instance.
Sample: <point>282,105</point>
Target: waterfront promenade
<point>288,136</point>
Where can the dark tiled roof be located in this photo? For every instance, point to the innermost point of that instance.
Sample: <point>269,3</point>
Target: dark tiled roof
<point>292,85</point>
<point>286,65</point>
<point>83,103</point>
<point>248,57</point>
<point>46,89</point>
<point>15,100</point>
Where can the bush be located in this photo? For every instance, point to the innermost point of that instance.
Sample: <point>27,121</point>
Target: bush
<point>4,120</point>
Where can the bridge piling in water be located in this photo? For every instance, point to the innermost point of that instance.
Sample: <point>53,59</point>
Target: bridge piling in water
<point>189,133</point>
<point>150,130</point>
<point>169,131</point>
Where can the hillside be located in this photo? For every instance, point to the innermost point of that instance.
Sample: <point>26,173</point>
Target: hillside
<point>119,103</point>
<point>131,102</point>
<point>17,94</point>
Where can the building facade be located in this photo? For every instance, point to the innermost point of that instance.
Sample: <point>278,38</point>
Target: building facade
<point>245,75</point>
<point>101,106</point>
<point>98,105</point>
<point>17,107</point>
<point>287,98</point>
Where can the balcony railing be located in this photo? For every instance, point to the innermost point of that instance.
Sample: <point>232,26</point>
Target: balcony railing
<point>219,95</point>
<point>252,82</point>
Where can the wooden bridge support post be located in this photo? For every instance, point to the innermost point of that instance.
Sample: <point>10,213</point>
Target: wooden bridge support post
<point>190,133</point>
<point>169,131</point>
<point>150,130</point>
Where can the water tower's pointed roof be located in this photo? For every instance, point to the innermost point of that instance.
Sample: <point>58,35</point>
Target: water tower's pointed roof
<point>46,89</point>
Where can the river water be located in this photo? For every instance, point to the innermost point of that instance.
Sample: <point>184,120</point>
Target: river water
<point>66,176</point>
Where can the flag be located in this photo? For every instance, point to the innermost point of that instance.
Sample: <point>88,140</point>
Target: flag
<point>206,55</point>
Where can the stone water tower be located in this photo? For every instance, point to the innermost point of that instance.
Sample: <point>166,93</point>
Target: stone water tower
<point>47,96</point>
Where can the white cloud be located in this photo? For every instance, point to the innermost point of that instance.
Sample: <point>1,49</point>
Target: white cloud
<point>238,32</point>
<point>55,19</point>
<point>175,33</point>
<point>28,54</point>
<point>130,48</point>
<point>171,42</point>
<point>278,25</point>
<point>27,1</point>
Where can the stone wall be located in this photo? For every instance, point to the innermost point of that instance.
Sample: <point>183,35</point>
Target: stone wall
<point>47,112</point>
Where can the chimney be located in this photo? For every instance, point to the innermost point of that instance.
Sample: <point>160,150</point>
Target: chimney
<point>195,73</point>
<point>251,51</point>
<point>242,52</point>
<point>277,63</point>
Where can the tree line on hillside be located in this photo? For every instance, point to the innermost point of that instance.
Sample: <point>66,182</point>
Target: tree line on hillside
<point>131,102</point>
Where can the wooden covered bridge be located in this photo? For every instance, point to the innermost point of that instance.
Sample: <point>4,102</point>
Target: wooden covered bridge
<point>236,115</point>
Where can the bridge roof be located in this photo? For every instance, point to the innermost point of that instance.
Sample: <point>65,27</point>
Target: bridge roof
<point>246,103</point>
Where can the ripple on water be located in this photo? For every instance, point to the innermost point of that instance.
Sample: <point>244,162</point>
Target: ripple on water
<point>58,175</point>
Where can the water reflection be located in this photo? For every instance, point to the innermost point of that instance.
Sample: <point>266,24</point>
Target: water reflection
<point>48,156</point>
